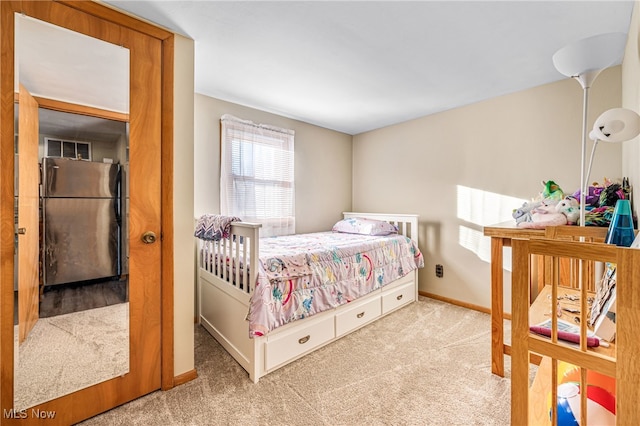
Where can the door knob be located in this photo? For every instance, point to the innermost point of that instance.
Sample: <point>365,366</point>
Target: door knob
<point>149,237</point>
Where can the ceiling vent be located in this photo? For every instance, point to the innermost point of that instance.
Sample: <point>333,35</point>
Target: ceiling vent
<point>59,148</point>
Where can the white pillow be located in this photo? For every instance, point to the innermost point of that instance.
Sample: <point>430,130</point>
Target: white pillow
<point>359,225</point>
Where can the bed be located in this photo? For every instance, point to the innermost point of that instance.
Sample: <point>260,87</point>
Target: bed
<point>269,304</point>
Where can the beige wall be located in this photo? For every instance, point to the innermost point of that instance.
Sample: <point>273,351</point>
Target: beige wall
<point>631,99</point>
<point>460,169</point>
<point>183,273</point>
<point>322,164</point>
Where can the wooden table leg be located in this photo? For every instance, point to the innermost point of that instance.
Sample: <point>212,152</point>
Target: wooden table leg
<point>497,308</point>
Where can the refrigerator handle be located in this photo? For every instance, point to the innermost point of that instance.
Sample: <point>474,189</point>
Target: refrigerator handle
<point>118,204</point>
<point>118,211</point>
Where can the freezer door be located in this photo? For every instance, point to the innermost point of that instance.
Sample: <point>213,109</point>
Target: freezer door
<point>76,178</point>
<point>80,239</point>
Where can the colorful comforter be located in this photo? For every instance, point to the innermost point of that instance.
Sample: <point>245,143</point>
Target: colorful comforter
<point>301,275</point>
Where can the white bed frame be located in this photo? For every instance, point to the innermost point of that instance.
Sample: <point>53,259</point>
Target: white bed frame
<point>223,305</point>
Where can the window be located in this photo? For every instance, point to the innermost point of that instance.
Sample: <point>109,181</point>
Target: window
<point>257,178</point>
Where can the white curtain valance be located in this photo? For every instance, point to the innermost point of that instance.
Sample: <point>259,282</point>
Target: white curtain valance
<point>231,119</point>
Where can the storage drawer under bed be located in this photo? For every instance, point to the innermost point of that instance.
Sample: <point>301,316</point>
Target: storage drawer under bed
<point>290,344</point>
<point>398,296</point>
<point>357,315</point>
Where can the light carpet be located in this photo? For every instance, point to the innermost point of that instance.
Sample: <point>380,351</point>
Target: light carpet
<point>68,352</point>
<point>426,364</point>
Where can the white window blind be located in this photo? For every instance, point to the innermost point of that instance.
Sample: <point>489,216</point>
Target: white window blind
<point>257,175</point>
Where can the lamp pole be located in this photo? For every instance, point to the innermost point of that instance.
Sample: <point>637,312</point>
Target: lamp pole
<point>583,157</point>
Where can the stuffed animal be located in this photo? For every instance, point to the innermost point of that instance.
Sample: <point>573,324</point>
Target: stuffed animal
<point>570,207</point>
<point>552,191</point>
<point>611,194</point>
<point>592,198</point>
<point>523,214</point>
<point>543,216</point>
<point>604,195</point>
<point>551,194</point>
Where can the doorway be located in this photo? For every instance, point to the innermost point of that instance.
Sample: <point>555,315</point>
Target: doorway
<point>149,116</point>
<point>75,304</point>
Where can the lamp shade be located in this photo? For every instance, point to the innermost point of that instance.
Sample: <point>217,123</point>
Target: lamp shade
<point>616,125</point>
<point>586,58</point>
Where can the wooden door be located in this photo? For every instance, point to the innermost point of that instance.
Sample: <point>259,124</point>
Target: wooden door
<point>28,214</point>
<point>145,207</point>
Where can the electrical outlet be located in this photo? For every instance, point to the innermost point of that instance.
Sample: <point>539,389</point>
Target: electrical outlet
<point>439,271</point>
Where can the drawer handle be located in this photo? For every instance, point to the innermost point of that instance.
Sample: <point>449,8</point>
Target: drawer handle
<point>304,339</point>
<point>399,297</point>
<point>360,315</point>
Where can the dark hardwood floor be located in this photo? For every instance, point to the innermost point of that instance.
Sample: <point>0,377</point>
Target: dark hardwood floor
<point>66,298</point>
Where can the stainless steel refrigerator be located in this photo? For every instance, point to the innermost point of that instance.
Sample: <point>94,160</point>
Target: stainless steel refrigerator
<point>81,210</point>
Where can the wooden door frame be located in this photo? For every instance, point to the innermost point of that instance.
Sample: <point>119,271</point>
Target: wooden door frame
<point>7,181</point>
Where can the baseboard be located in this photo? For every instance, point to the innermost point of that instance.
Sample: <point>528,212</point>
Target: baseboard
<point>185,377</point>
<point>460,303</point>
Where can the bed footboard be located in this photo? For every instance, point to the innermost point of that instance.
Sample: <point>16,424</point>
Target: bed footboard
<point>235,259</point>
<point>226,271</point>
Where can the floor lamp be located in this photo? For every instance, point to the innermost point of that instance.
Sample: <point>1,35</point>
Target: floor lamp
<point>583,60</point>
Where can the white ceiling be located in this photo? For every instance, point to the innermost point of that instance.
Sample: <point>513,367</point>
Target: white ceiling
<point>60,64</point>
<point>49,66</point>
<point>355,66</point>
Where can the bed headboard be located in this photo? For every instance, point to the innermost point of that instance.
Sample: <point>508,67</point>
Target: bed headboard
<point>407,223</point>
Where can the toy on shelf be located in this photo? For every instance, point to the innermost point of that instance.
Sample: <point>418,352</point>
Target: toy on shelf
<point>600,202</point>
<point>562,213</point>
<point>524,213</point>
<point>570,207</point>
<point>550,195</point>
<point>552,191</point>
<point>593,195</point>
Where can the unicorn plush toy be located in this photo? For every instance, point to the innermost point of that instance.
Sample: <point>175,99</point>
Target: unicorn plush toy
<point>564,212</point>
